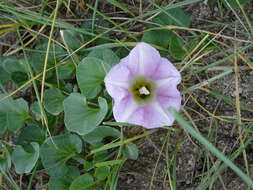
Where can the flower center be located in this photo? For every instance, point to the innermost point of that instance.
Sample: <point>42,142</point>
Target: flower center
<point>142,89</point>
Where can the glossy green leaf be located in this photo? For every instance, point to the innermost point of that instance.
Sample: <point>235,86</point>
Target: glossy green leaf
<point>13,113</point>
<point>81,118</point>
<point>54,101</point>
<point>83,182</point>
<point>90,76</point>
<point>99,133</point>
<point>59,149</point>
<point>131,151</point>
<point>25,161</point>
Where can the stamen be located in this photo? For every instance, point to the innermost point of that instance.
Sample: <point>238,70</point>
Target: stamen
<point>144,91</point>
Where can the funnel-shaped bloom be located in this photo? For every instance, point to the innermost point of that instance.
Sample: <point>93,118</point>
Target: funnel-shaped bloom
<point>143,86</point>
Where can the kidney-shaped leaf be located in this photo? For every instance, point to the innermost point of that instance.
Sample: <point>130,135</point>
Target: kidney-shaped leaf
<point>62,176</point>
<point>131,151</point>
<point>53,101</point>
<point>25,161</point>
<point>98,134</point>
<point>107,55</point>
<point>90,76</point>
<point>83,182</point>
<point>13,113</point>
<point>59,148</point>
<point>81,118</point>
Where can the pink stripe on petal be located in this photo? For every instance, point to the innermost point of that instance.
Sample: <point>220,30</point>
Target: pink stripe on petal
<point>144,59</point>
<point>124,108</point>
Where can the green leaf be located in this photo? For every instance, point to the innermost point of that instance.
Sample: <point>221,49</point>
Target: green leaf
<point>72,39</point>
<point>35,108</point>
<point>81,118</point>
<point>102,172</point>
<point>209,146</point>
<point>25,161</point>
<point>65,71</point>
<point>4,76</point>
<point>83,182</point>
<point>12,64</point>
<point>19,78</point>
<point>157,37</point>
<point>5,158</point>
<point>13,113</point>
<point>90,76</point>
<point>53,101</point>
<point>174,16</point>
<point>176,47</point>
<point>99,133</point>
<point>62,176</point>
<point>31,133</point>
<point>88,165</point>
<point>59,149</point>
<point>131,151</point>
<point>63,170</point>
<point>234,4</point>
<point>62,183</point>
<point>164,37</point>
<point>37,57</point>
<point>105,54</point>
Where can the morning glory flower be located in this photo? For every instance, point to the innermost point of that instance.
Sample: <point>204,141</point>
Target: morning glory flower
<point>143,86</point>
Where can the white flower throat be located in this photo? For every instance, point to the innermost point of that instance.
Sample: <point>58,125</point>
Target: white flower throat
<point>144,91</point>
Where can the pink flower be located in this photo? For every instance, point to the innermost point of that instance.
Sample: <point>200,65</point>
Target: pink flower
<point>143,86</point>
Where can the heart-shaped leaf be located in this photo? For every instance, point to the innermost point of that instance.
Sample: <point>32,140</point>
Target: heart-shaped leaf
<point>131,151</point>
<point>59,149</point>
<point>90,76</point>
<point>107,55</point>
<point>81,118</point>
<point>25,161</point>
<point>53,101</point>
<point>99,133</point>
<point>13,113</point>
<point>83,182</point>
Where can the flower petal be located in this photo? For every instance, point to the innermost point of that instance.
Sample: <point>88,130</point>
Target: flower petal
<point>168,95</point>
<point>143,59</point>
<point>124,108</point>
<point>165,70</point>
<point>117,80</point>
<point>120,72</point>
<point>151,116</point>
